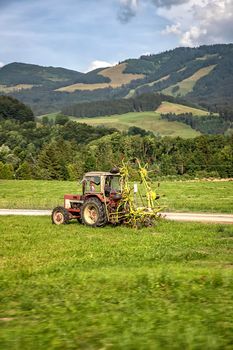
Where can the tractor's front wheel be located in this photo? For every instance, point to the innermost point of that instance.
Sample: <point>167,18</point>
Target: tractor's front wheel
<point>93,213</point>
<point>60,216</point>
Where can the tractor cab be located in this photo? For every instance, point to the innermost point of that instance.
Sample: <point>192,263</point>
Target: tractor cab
<point>103,183</point>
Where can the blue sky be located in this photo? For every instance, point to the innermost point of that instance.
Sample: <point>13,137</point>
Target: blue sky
<point>85,34</point>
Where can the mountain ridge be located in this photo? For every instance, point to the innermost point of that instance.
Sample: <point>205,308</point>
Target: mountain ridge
<point>48,89</point>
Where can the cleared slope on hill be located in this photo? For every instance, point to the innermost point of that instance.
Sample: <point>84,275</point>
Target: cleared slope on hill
<point>115,74</point>
<point>8,89</point>
<point>168,107</point>
<point>185,86</point>
<point>133,91</point>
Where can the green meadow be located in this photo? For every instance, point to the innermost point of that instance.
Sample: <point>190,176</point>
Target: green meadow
<point>74,287</point>
<point>200,196</point>
<point>146,120</point>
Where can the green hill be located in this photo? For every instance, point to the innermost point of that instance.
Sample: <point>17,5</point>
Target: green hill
<point>202,75</point>
<point>22,73</point>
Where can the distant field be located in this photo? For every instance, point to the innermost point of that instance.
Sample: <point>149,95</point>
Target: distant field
<point>186,85</point>
<point>8,89</point>
<point>147,120</point>
<point>168,107</point>
<point>205,57</point>
<point>73,287</point>
<point>83,87</point>
<point>200,196</point>
<point>116,75</point>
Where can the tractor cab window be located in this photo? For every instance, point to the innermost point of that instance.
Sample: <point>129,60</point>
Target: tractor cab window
<point>115,183</point>
<point>112,184</point>
<point>92,184</point>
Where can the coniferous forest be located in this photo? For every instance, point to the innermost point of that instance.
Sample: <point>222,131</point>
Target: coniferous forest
<point>64,149</point>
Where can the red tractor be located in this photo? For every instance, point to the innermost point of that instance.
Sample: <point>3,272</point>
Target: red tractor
<point>109,197</point>
<point>101,193</point>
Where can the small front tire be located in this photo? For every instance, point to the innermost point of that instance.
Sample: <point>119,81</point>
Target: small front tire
<point>60,216</point>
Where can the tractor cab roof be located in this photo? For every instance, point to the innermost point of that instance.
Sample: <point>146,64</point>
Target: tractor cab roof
<point>100,173</point>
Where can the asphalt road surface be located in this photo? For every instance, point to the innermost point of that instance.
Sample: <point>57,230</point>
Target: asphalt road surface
<point>199,217</point>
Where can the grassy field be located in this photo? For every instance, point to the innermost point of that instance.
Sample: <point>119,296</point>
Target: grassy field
<point>74,287</point>
<point>186,196</point>
<point>168,107</point>
<point>201,196</point>
<point>186,85</point>
<point>147,120</point>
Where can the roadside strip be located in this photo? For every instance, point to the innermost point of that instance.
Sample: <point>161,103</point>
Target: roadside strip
<point>198,217</point>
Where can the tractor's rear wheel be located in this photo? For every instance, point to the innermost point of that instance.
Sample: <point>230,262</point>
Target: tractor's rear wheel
<point>60,216</point>
<point>93,213</point>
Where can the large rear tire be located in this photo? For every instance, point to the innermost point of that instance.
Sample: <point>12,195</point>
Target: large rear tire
<point>60,216</point>
<point>93,213</point>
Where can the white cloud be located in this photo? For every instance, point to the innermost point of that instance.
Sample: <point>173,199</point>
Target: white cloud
<point>194,22</point>
<point>204,22</point>
<point>172,29</point>
<point>130,3</point>
<point>129,8</point>
<point>1,64</point>
<point>192,35</point>
<point>100,64</point>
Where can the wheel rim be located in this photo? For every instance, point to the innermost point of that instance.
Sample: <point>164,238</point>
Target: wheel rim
<point>58,218</point>
<point>91,214</point>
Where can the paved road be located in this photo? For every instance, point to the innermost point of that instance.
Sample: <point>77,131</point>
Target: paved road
<point>199,217</point>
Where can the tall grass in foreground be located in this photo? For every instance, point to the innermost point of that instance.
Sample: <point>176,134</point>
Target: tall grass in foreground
<point>74,287</point>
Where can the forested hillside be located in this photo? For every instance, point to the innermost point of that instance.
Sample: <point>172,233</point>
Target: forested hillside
<point>144,102</point>
<point>11,108</point>
<point>65,149</point>
<point>202,75</point>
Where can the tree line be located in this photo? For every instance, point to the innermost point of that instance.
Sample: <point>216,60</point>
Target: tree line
<point>206,124</point>
<point>66,151</point>
<point>63,149</point>
<point>144,102</point>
